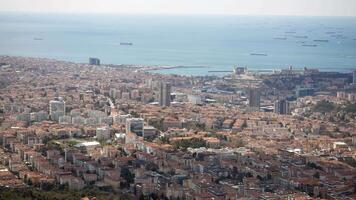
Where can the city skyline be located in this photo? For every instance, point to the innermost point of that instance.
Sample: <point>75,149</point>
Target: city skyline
<point>229,7</point>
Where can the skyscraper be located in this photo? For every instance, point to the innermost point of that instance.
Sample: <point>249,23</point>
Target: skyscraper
<point>94,61</point>
<point>254,96</point>
<point>354,77</point>
<point>165,94</point>
<point>281,107</point>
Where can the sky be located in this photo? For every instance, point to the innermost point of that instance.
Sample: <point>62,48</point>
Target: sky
<point>235,7</point>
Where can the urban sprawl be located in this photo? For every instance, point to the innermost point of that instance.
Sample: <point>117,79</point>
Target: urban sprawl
<point>129,133</point>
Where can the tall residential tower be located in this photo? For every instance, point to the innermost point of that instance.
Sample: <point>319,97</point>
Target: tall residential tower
<point>254,99</point>
<point>165,94</point>
<point>282,107</point>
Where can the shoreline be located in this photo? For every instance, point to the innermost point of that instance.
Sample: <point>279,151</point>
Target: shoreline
<point>161,69</point>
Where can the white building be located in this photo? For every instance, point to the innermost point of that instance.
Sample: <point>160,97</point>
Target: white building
<point>194,99</point>
<point>56,108</point>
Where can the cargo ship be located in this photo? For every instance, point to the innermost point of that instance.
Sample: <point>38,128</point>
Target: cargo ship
<point>321,40</point>
<point>301,36</point>
<point>280,38</point>
<point>126,43</point>
<point>258,54</point>
<point>309,45</point>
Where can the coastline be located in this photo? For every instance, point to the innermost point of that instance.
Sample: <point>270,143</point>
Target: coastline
<point>181,70</point>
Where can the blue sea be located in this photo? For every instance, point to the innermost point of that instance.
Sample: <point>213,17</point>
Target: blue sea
<point>205,43</point>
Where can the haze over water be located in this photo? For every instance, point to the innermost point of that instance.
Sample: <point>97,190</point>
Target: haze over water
<point>215,42</point>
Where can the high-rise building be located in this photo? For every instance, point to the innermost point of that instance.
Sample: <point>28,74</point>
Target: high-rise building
<point>134,125</point>
<point>282,107</point>
<point>165,94</point>
<point>56,108</point>
<point>254,98</point>
<point>239,70</point>
<point>94,61</point>
<point>302,92</point>
<point>354,77</point>
<point>102,133</point>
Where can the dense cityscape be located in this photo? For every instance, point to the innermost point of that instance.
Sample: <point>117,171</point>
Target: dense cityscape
<point>97,131</point>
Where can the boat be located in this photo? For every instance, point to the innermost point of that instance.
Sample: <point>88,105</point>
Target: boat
<point>280,38</point>
<point>309,45</point>
<point>126,43</point>
<point>321,40</point>
<point>301,36</point>
<point>258,54</point>
<point>291,32</point>
<point>36,38</point>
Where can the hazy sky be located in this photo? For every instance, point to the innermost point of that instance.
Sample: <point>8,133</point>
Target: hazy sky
<point>250,7</point>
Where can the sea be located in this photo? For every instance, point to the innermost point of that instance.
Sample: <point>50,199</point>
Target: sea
<point>197,44</point>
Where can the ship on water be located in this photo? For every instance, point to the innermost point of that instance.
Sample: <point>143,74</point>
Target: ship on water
<point>36,38</point>
<point>280,38</point>
<point>321,40</point>
<point>301,36</point>
<point>126,43</point>
<point>309,45</point>
<point>258,54</point>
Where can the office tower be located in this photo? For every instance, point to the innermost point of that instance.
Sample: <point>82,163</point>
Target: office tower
<point>165,94</point>
<point>302,92</point>
<point>281,107</point>
<point>354,77</point>
<point>56,108</point>
<point>94,61</point>
<point>254,100</point>
<point>134,125</point>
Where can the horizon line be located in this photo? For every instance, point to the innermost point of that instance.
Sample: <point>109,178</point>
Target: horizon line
<point>165,14</point>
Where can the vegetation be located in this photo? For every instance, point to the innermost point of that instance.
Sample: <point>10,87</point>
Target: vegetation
<point>72,143</point>
<point>350,108</point>
<point>324,107</point>
<point>127,175</point>
<point>52,144</point>
<point>240,143</point>
<point>192,143</point>
<point>313,165</point>
<point>316,175</point>
<point>158,124</point>
<point>219,136</point>
<point>134,114</point>
<point>164,139</point>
